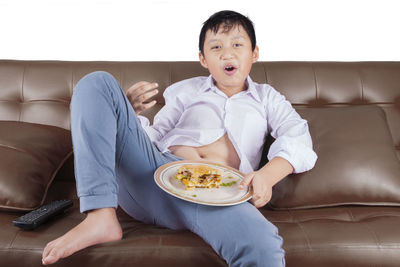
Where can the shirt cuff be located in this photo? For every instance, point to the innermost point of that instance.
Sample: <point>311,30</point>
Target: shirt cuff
<point>299,155</point>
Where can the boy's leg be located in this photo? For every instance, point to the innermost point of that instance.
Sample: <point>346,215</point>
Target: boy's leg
<point>240,234</point>
<point>102,123</point>
<point>105,129</point>
<point>105,135</point>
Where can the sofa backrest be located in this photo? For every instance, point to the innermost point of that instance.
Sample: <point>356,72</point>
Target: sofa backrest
<point>40,91</point>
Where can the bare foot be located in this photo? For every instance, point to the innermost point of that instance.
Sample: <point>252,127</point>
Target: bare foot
<point>99,226</point>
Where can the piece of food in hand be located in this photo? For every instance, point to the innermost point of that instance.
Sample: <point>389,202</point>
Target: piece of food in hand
<point>199,176</point>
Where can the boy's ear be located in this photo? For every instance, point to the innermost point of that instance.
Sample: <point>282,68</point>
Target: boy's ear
<point>203,60</point>
<point>255,54</point>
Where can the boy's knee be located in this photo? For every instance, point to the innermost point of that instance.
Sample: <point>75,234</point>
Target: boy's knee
<point>94,81</point>
<point>99,75</point>
<point>99,78</point>
<point>265,238</point>
<point>266,251</point>
<point>258,249</point>
<point>263,243</point>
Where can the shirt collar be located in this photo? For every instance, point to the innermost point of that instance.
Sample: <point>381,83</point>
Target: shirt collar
<point>209,84</point>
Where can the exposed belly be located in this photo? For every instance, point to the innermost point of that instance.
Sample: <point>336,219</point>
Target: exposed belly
<point>221,151</point>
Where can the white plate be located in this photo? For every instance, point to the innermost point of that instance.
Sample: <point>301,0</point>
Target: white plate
<point>222,196</point>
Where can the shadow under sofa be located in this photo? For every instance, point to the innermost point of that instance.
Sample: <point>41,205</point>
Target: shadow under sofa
<point>343,212</point>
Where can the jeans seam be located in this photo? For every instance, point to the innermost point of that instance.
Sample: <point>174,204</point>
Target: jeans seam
<point>112,97</point>
<point>126,104</point>
<point>119,157</point>
<point>143,210</point>
<point>90,194</point>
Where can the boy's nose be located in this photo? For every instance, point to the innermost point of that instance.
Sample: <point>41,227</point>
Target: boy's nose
<point>227,53</point>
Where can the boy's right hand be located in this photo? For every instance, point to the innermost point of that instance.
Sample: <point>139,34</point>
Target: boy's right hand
<point>140,92</point>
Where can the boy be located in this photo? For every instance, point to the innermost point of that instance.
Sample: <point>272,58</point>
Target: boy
<point>116,155</point>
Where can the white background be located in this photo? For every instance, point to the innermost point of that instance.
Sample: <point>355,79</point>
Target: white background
<point>150,30</point>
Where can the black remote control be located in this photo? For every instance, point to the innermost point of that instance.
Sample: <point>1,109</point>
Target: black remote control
<point>33,219</point>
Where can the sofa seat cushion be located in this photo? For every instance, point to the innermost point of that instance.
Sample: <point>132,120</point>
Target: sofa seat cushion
<point>31,155</point>
<point>339,236</point>
<point>142,244</point>
<point>357,162</point>
<point>336,236</point>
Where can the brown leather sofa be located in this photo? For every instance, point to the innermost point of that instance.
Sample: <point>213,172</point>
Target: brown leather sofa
<point>343,212</point>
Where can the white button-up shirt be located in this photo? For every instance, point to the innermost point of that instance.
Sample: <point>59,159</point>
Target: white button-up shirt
<point>197,113</point>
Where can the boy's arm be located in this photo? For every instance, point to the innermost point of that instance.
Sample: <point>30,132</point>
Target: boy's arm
<point>276,169</point>
<point>292,137</point>
<point>291,152</point>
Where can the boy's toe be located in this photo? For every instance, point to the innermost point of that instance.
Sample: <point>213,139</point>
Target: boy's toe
<point>52,257</point>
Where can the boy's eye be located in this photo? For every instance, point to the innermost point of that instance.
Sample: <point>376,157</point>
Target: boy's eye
<point>217,46</point>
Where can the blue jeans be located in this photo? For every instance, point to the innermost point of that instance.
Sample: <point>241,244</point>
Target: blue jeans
<point>114,164</point>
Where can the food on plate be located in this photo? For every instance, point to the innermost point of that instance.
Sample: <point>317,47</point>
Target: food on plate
<point>229,184</point>
<point>199,176</point>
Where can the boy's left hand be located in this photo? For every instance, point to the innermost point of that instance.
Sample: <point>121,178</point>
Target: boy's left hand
<point>262,190</point>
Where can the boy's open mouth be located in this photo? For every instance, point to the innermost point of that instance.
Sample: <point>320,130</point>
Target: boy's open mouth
<point>230,69</point>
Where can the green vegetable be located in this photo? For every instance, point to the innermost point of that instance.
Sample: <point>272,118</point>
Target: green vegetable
<point>194,195</point>
<point>228,184</point>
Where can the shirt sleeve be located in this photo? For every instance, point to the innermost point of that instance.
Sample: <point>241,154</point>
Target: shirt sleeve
<point>292,137</point>
<point>165,119</point>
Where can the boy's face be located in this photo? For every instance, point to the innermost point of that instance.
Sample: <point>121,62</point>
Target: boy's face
<point>228,49</point>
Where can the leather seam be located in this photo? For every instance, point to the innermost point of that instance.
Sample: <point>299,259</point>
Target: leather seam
<point>341,247</point>
<point>362,84</point>
<point>303,231</point>
<point>265,73</point>
<point>15,237</point>
<point>170,74</point>
<point>376,238</point>
<point>22,93</point>
<point>20,150</point>
<point>351,215</point>
<point>315,82</point>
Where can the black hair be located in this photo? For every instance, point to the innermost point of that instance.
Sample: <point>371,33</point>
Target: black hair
<point>230,19</point>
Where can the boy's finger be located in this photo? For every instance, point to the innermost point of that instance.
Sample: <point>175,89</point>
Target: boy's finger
<point>139,88</point>
<point>148,105</point>
<point>151,93</point>
<point>246,181</point>
<point>137,85</point>
<point>148,87</point>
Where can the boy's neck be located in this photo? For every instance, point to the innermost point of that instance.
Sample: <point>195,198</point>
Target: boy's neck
<point>230,92</point>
